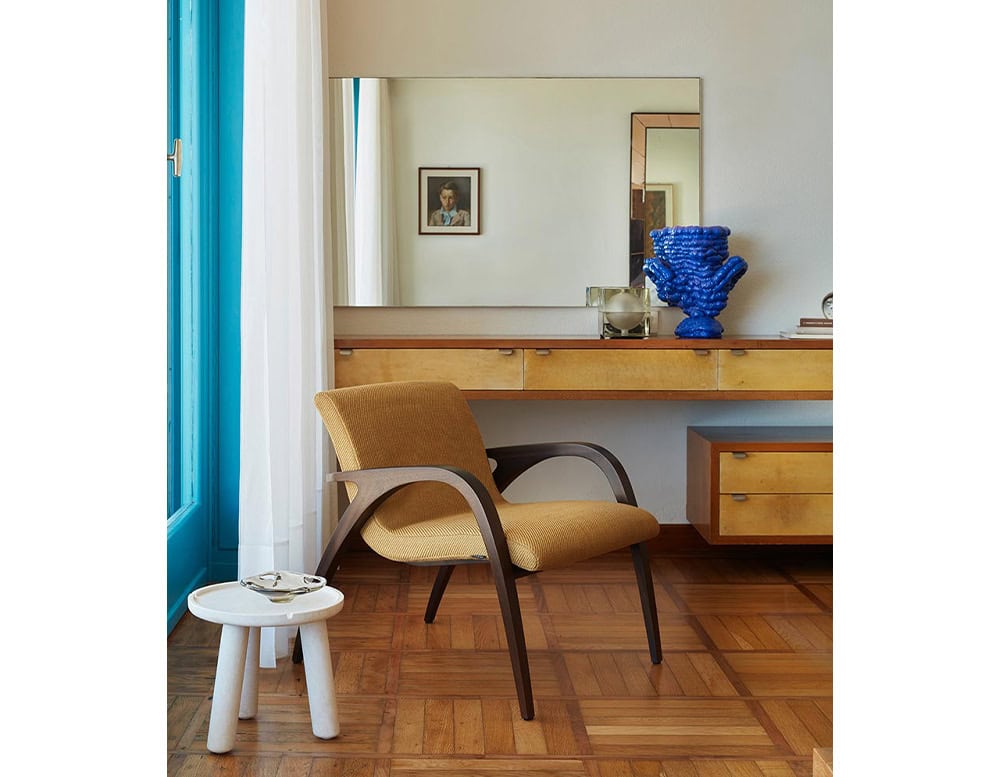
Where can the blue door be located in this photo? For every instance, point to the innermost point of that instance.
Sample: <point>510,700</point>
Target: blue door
<point>189,491</point>
<point>205,92</point>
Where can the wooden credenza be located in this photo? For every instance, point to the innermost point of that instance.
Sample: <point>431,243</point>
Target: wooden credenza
<point>747,368</point>
<point>766,484</point>
<point>745,484</point>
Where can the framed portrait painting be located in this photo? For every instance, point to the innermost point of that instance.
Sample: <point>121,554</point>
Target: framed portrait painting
<point>658,203</point>
<point>450,201</point>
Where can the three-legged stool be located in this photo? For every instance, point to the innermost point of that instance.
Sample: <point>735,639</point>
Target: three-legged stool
<point>242,614</point>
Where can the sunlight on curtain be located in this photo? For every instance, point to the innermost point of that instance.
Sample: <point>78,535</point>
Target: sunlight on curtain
<point>375,279</point>
<point>284,279</point>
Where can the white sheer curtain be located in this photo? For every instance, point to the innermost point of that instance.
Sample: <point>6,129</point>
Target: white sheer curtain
<point>283,338</point>
<point>374,278</point>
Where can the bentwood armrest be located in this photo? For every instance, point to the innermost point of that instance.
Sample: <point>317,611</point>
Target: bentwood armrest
<point>378,484</point>
<point>514,460</point>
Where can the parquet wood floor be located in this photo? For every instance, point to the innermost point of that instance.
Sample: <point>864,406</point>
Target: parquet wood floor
<point>744,690</point>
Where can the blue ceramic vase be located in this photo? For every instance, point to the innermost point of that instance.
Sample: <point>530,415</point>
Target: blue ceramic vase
<point>692,269</point>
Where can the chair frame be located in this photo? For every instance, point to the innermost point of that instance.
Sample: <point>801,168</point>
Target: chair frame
<point>376,485</point>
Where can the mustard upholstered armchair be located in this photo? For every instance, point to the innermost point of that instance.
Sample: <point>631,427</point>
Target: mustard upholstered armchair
<point>422,492</point>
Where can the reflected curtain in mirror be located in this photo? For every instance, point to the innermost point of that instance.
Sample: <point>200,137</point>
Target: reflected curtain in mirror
<point>367,267</point>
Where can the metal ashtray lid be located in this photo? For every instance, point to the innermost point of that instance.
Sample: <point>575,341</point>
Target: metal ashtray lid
<point>283,586</point>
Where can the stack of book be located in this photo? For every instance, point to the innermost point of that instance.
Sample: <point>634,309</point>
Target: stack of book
<point>810,329</point>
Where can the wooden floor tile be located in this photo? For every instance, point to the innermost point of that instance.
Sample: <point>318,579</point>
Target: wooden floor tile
<point>803,723</point>
<point>769,632</point>
<point>466,632</point>
<point>657,727</point>
<point>488,767</point>
<point>461,599</point>
<point>716,570</point>
<point>784,674</point>
<point>822,591</point>
<point>631,674</point>
<point>747,598</point>
<point>362,630</point>
<point>472,673</point>
<point>600,599</point>
<point>283,725</point>
<point>620,632</point>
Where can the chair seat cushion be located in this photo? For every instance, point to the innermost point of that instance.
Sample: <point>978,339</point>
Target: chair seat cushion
<point>540,535</point>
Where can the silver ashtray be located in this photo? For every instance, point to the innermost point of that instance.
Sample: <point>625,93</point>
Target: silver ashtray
<point>283,586</point>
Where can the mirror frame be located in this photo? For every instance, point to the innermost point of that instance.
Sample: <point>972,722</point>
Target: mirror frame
<point>640,244</point>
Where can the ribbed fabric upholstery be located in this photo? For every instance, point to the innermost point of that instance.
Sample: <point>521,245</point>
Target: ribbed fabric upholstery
<point>429,423</point>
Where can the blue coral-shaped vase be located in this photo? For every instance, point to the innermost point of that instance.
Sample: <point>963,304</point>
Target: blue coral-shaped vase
<point>692,269</point>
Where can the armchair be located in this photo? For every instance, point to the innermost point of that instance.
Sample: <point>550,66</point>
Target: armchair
<point>422,492</point>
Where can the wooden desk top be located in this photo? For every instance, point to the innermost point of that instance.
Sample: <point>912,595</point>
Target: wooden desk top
<point>659,342</point>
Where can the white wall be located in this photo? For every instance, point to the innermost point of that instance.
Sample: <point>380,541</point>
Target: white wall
<point>766,69</point>
<point>673,156</point>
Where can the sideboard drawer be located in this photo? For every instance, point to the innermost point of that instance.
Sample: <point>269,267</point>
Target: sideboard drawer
<point>467,368</point>
<point>763,472</point>
<point>623,370</point>
<point>776,515</point>
<point>760,370</point>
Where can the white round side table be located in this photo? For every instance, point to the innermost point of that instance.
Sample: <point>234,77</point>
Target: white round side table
<point>242,613</point>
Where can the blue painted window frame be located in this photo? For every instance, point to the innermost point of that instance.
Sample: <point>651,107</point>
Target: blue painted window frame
<point>205,110</point>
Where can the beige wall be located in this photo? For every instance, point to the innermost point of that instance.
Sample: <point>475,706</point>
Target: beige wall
<point>766,70</point>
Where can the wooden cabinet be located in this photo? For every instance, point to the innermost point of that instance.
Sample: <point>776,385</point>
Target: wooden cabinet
<point>592,368</point>
<point>761,484</point>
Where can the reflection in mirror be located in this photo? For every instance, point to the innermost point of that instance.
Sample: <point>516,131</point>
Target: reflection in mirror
<point>553,156</point>
<point>665,181</point>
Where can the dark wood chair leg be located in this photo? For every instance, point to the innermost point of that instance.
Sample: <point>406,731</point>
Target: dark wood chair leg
<point>510,608</point>
<point>350,524</point>
<point>440,583</point>
<point>640,560</point>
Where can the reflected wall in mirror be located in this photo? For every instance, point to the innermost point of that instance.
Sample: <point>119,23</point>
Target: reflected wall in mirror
<point>665,181</point>
<point>554,155</point>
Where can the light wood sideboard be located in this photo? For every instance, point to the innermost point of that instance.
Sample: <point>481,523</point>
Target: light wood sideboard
<point>767,484</point>
<point>743,368</point>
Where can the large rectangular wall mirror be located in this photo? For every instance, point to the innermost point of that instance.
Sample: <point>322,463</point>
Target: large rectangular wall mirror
<point>554,160</point>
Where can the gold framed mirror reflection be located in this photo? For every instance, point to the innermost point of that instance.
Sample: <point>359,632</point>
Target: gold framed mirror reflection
<point>665,180</point>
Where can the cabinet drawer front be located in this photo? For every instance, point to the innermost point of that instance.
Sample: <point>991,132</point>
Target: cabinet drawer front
<point>776,370</point>
<point>773,515</point>
<point>467,368</point>
<point>776,473</point>
<point>624,370</point>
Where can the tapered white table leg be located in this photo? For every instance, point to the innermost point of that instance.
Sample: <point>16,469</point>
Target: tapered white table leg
<point>319,680</point>
<point>228,688</point>
<point>248,699</point>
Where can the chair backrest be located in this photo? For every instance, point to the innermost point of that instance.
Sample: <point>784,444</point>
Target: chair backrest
<point>402,424</point>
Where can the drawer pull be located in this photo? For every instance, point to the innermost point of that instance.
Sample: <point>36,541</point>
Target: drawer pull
<point>542,351</point>
<point>738,352</point>
<point>346,351</point>
<point>701,352</point>
<point>506,351</point>
<point>739,454</point>
<point>739,497</point>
